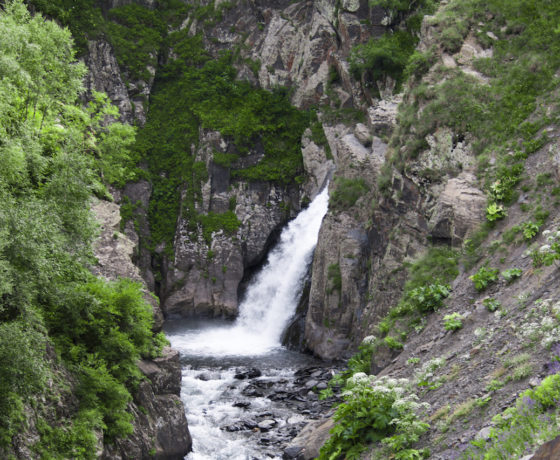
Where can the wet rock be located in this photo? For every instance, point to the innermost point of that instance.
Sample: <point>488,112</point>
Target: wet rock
<point>248,374</point>
<point>311,383</point>
<point>266,425</point>
<point>252,392</point>
<point>242,404</point>
<point>249,424</point>
<point>292,453</point>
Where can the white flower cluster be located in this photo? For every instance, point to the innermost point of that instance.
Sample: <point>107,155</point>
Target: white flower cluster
<point>541,323</point>
<point>551,236</point>
<point>426,375</point>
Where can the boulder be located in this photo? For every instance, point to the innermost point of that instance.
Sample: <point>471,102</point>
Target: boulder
<point>548,451</point>
<point>310,440</point>
<point>459,210</point>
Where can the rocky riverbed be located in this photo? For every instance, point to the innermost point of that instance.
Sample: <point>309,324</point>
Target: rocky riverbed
<point>249,407</point>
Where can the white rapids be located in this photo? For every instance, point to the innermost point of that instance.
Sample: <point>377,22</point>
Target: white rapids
<point>271,299</point>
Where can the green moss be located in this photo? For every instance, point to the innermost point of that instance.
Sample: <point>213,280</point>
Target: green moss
<point>213,222</point>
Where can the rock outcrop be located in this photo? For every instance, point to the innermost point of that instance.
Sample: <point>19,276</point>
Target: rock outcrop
<point>160,425</point>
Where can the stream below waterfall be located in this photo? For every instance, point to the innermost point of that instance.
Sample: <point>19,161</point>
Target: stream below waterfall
<point>245,395</point>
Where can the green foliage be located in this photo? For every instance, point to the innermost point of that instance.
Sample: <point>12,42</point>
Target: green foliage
<point>511,274</point>
<point>393,343</point>
<point>82,17</point>
<point>549,253</point>
<point>193,92</point>
<point>347,192</point>
<point>483,277</point>
<point>439,265</point>
<point>504,117</point>
<point>428,298</point>
<point>530,230</point>
<point>453,322</point>
<point>382,57</point>
<point>491,304</point>
<point>375,410</point>
<point>23,373</point>
<point>136,33</point>
<point>56,152</point>
<point>523,426</point>
<point>213,222</point>
<point>390,55</point>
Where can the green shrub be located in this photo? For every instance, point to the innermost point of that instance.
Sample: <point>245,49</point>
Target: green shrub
<point>483,277</point>
<point>530,230</point>
<point>347,192</point>
<point>23,374</point>
<point>491,304</point>
<point>511,274</point>
<point>453,322</point>
<point>393,343</point>
<point>495,212</point>
<point>374,410</point>
<point>428,298</point>
<point>136,33</point>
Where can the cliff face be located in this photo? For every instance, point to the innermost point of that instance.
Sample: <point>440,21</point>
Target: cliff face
<point>298,45</point>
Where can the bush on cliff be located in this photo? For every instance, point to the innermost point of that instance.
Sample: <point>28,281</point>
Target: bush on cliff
<point>65,337</point>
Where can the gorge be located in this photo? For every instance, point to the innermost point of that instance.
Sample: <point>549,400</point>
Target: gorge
<point>170,165</point>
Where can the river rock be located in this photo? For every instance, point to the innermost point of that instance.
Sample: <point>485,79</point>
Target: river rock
<point>310,440</point>
<point>248,374</point>
<point>266,425</point>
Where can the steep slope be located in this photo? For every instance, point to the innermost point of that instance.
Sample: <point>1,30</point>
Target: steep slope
<point>471,165</point>
<point>71,342</point>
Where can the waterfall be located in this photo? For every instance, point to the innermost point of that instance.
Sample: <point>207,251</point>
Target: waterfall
<point>272,297</point>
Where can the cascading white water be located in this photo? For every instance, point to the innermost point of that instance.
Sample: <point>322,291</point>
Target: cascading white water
<point>213,355</point>
<point>272,297</point>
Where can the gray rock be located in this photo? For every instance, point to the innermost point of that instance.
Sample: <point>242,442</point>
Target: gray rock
<point>266,425</point>
<point>483,434</point>
<point>363,134</point>
<point>351,5</point>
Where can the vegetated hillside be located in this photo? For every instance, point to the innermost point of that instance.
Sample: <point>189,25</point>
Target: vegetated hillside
<point>70,342</point>
<point>465,364</point>
<point>441,120</point>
